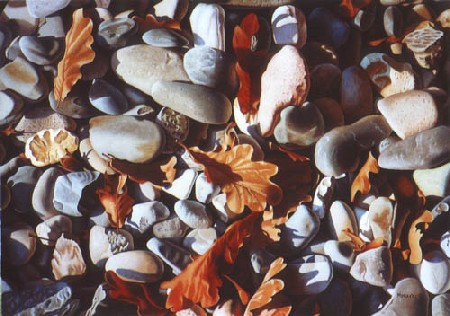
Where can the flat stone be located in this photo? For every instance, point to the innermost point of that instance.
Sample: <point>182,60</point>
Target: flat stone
<point>107,98</point>
<point>126,137</point>
<point>342,217</point>
<point>165,38</point>
<point>115,33</point>
<point>427,149</point>
<point>174,256</point>
<point>409,298</point>
<point>440,305</point>
<point>106,242</point>
<point>434,272</point>
<point>381,218</point>
<point>300,125</point>
<point>199,103</point>
<point>136,266</point>
<point>11,109</point>
<point>327,27</point>
<point>145,215</point>
<point>18,14</point>
<point>193,214</point>
<point>22,184</point>
<point>23,78</point>
<point>285,82</point>
<point>208,25</point>
<point>410,112</point>
<point>200,240</point>
<point>20,244</point>
<point>435,181</point>
<point>170,228</point>
<point>289,26</point>
<point>173,9</point>
<point>44,8</point>
<point>53,26</point>
<point>142,65</point>
<point>338,150</point>
<point>204,190</point>
<point>389,76</point>
<point>42,198</point>
<point>182,186</point>
<point>374,267</point>
<point>93,158</point>
<point>356,94</point>
<point>41,50</point>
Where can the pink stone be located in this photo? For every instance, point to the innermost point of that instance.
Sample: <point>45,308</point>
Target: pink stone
<point>285,82</point>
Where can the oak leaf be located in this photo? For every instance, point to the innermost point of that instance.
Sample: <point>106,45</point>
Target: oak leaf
<point>415,234</point>
<point>78,52</point>
<point>360,245</point>
<point>152,22</point>
<point>268,289</point>
<point>250,63</point>
<point>362,182</point>
<point>115,199</point>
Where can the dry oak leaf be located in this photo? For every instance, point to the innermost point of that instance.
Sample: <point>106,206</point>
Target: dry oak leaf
<point>415,234</point>
<point>250,63</point>
<point>199,283</point>
<point>360,245</point>
<point>78,52</point>
<point>268,289</point>
<point>152,22</point>
<point>362,182</point>
<point>115,199</point>
<point>245,182</point>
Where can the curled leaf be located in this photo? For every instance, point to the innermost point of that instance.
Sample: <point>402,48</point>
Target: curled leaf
<point>360,245</point>
<point>415,234</point>
<point>78,52</point>
<point>362,181</point>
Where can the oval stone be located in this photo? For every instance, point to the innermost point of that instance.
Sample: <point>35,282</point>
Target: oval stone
<point>164,38</point>
<point>107,98</point>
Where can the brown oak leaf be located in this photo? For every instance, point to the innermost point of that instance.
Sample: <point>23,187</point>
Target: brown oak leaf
<point>415,234</point>
<point>362,182</point>
<point>115,199</point>
<point>78,52</point>
<point>152,22</point>
<point>268,289</point>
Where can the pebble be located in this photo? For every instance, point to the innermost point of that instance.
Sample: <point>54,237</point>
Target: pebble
<point>40,299</point>
<point>338,150</point>
<point>356,94</point>
<point>435,181</point>
<point>409,298</point>
<point>325,81</point>
<point>444,18</point>
<point>41,50</point>
<point>336,299</point>
<point>53,26</point>
<point>5,39</point>
<point>107,98</point>
<point>142,65</point>
<point>209,67</point>
<point>427,149</point>
<point>200,103</point>
<point>20,244</point>
<point>381,218</point>
<point>389,76</point>
<point>327,27</point>
<point>285,82</point>
<point>222,210</point>
<point>139,266</point>
<point>146,192</point>
<point>365,17</point>
<point>410,112</point>
<point>323,196</point>
<point>177,258</point>
<point>289,26</point>
<point>23,78</point>
<point>126,137</point>
<point>342,217</point>
<point>200,240</point>
<point>44,8</point>
<point>145,215</point>
<point>22,184</point>
<point>165,38</point>
<point>67,259</point>
<point>42,198</point>
<point>440,305</point>
<point>17,13</point>
<point>205,191</point>
<point>426,45</point>
<point>69,189</point>
<point>393,21</point>
<point>300,125</point>
<point>332,113</point>
<point>11,109</point>
<point>116,32</point>
<point>341,254</point>
<point>51,229</point>
<point>98,67</point>
<point>106,242</point>
<point>208,25</point>
<point>193,214</point>
<point>434,272</point>
<point>93,158</point>
<point>255,3</point>
<point>13,50</point>
<point>182,186</point>
<point>173,9</point>
<point>176,124</point>
<point>75,105</point>
<point>373,266</point>
<point>308,275</point>
<point>445,242</point>
<point>170,228</point>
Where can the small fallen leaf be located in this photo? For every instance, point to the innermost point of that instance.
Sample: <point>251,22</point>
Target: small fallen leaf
<point>71,164</point>
<point>415,234</point>
<point>362,181</point>
<point>115,199</point>
<point>268,289</point>
<point>151,22</point>
<point>8,131</point>
<point>78,52</point>
<point>360,245</point>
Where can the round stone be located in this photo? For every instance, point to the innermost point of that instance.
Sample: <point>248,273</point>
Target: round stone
<point>193,214</point>
<point>434,272</point>
<point>356,94</point>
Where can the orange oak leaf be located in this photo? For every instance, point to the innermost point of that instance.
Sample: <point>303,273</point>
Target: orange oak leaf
<point>115,199</point>
<point>78,52</point>
<point>250,63</point>
<point>362,182</point>
<point>245,182</point>
<point>360,245</point>
<point>152,22</point>
<point>415,234</point>
<point>268,289</point>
